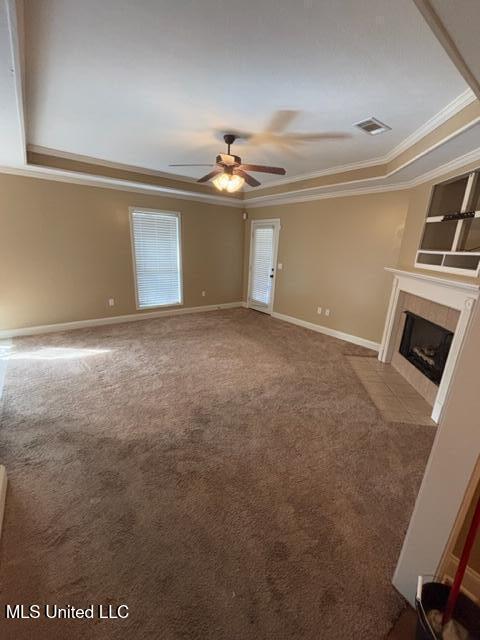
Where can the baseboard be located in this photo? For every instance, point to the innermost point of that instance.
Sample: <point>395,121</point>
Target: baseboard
<point>96,322</point>
<point>368,344</point>
<point>3,494</point>
<point>4,348</point>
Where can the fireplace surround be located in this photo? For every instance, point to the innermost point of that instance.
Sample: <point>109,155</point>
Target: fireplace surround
<point>457,298</point>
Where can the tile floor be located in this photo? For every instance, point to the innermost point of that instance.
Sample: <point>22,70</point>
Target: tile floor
<point>393,396</point>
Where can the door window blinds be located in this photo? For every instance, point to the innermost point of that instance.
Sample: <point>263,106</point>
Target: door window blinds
<point>262,264</point>
<point>156,248</point>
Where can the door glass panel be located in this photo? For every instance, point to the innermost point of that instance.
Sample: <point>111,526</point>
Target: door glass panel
<point>262,263</point>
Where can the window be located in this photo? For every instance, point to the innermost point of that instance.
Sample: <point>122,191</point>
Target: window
<point>156,257</point>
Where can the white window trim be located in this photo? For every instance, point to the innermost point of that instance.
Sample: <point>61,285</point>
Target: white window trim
<point>176,214</point>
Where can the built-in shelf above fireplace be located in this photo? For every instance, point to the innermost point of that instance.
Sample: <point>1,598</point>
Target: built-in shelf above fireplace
<point>451,236</point>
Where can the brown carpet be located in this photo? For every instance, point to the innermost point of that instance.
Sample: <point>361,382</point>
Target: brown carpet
<point>224,474</point>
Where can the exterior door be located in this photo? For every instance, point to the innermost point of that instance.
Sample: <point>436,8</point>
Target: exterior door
<point>263,261</point>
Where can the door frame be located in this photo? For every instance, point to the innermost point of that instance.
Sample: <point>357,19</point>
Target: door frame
<point>276,234</point>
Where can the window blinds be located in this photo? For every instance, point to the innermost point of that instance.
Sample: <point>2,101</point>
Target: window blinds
<point>262,264</point>
<point>156,248</point>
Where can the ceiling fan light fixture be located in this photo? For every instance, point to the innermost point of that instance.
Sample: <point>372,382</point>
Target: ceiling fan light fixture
<point>235,183</point>
<point>228,182</point>
<point>230,174</point>
<point>221,181</point>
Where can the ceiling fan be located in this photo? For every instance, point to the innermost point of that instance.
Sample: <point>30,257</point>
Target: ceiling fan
<point>275,132</point>
<point>230,173</point>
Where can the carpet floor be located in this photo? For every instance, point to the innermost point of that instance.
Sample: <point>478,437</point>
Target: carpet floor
<point>223,474</point>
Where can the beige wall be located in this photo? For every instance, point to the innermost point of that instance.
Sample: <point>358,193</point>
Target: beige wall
<point>417,210</point>
<point>333,254</point>
<point>65,249</point>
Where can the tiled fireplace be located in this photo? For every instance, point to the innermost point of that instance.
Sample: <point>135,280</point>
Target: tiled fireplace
<point>411,306</point>
<point>424,330</point>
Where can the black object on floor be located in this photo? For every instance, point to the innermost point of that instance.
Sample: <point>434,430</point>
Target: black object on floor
<point>434,595</point>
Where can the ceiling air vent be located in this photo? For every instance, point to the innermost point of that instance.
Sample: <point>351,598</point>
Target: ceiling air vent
<point>372,126</point>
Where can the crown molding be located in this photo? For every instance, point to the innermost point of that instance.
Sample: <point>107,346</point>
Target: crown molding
<point>284,199</point>
<point>77,157</point>
<point>87,179</point>
<point>294,196</point>
<point>343,168</point>
<point>450,110</point>
<point>311,194</point>
<point>328,191</point>
<point>447,167</point>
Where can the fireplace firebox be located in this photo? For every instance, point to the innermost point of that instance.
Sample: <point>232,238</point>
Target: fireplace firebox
<point>426,345</point>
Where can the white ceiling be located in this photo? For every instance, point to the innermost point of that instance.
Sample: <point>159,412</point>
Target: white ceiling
<point>12,147</point>
<point>145,82</point>
<point>461,19</point>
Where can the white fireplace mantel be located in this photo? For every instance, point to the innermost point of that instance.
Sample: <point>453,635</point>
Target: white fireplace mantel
<point>450,293</point>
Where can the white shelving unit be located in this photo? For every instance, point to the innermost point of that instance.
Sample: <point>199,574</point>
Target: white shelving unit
<point>451,236</point>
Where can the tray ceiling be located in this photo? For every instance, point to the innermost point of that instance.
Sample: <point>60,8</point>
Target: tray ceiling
<point>147,83</point>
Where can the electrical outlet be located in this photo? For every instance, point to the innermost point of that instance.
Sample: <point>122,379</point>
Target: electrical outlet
<point>111,302</point>
<point>327,312</point>
<point>204,293</point>
<point>319,311</point>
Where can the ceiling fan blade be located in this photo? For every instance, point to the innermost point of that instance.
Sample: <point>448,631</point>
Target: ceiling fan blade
<point>263,169</point>
<point>289,148</point>
<point>253,182</point>
<point>280,120</point>
<point>210,175</point>
<point>307,137</point>
<point>191,165</point>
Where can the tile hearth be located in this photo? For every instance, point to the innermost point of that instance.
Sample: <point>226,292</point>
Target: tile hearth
<point>393,396</point>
